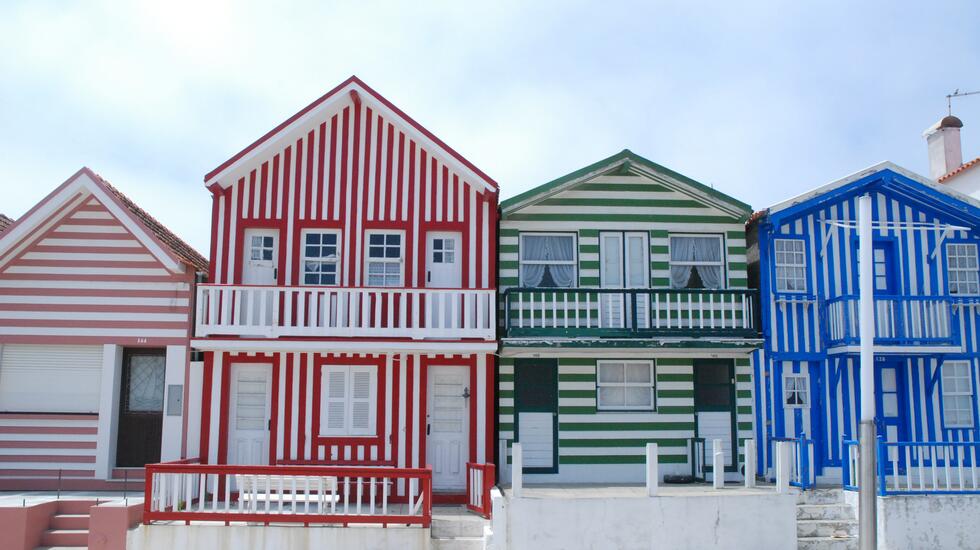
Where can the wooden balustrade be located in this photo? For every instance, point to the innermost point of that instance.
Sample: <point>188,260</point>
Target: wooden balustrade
<point>480,479</point>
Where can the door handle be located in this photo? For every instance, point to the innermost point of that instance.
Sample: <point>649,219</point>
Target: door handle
<point>428,276</point>
<point>428,429</point>
<point>275,273</point>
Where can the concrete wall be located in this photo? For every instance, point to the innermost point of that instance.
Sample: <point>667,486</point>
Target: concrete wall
<point>108,524</point>
<point>914,522</point>
<point>676,522</point>
<point>236,537</point>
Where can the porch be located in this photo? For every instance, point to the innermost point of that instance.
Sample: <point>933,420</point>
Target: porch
<point>311,311</point>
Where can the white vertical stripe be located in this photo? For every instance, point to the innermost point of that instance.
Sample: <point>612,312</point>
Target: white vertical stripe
<point>361,162</point>
<point>314,188</point>
<point>485,248</point>
<point>281,407</point>
<point>246,197</point>
<point>213,429</point>
<point>389,372</point>
<point>298,358</point>
<point>301,180</point>
<point>402,409</point>
<point>218,261</point>
<point>336,165</point>
<point>232,229</point>
<point>481,408</point>
<point>268,188</point>
<point>415,220</point>
<point>382,185</point>
<point>471,238</point>
<point>461,198</point>
<point>290,219</point>
<point>404,158</point>
<point>348,201</point>
<point>371,168</point>
<point>307,454</point>
<point>416,413</point>
<point>428,187</point>
<point>256,192</point>
<point>279,187</point>
<point>440,186</point>
<point>325,176</point>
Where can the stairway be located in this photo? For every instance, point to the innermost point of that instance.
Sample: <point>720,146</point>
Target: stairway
<point>824,521</point>
<point>455,528</point>
<point>68,527</point>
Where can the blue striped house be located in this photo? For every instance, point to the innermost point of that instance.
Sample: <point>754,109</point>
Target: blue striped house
<point>803,255</point>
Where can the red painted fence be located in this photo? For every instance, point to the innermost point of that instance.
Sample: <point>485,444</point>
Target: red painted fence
<point>188,491</point>
<point>480,480</point>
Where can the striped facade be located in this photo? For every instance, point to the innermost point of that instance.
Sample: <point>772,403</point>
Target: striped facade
<point>84,276</point>
<point>622,193</point>
<point>351,163</point>
<point>803,329</point>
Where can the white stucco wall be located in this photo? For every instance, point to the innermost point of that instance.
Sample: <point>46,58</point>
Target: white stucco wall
<point>173,426</point>
<point>254,537</point>
<point>967,183</point>
<point>914,522</point>
<point>719,521</point>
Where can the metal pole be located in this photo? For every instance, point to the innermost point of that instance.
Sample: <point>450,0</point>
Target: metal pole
<point>867,509</point>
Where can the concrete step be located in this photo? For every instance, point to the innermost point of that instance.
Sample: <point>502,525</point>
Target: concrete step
<point>65,537</point>
<point>824,511</point>
<point>75,506</point>
<point>820,496</point>
<point>826,543</point>
<point>69,521</point>
<point>826,528</point>
<point>459,543</point>
<point>457,523</point>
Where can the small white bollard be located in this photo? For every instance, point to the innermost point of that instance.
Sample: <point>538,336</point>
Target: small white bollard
<point>718,464</point>
<point>749,463</point>
<point>653,469</point>
<point>516,470</point>
<point>783,451</point>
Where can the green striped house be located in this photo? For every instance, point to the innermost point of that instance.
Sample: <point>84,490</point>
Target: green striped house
<point>626,319</point>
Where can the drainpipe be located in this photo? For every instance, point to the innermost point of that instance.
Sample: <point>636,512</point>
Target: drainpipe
<point>867,510</point>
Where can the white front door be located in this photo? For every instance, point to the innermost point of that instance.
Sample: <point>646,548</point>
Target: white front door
<point>447,426</point>
<point>249,410</point>
<point>443,269</point>
<point>260,257</point>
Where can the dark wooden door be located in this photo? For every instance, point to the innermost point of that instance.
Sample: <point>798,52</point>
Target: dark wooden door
<point>714,407</point>
<point>536,410</point>
<point>141,407</point>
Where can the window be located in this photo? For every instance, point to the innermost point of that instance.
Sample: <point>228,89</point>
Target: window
<point>790,265</point>
<point>349,397</point>
<point>625,385</point>
<point>443,251</point>
<point>957,394</point>
<point>962,268</point>
<point>320,258</point>
<point>384,262</point>
<point>262,247</point>
<point>796,393</point>
<point>547,260</point>
<point>696,261</point>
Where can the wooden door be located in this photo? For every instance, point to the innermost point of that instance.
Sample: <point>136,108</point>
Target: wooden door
<point>536,407</point>
<point>141,392</point>
<point>447,426</point>
<point>714,406</point>
<point>250,410</point>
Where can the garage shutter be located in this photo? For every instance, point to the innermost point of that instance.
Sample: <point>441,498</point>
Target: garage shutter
<point>50,378</point>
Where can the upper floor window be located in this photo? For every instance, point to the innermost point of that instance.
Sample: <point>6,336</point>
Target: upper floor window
<point>384,259</point>
<point>696,261</point>
<point>547,259</point>
<point>262,247</point>
<point>957,394</point>
<point>962,268</point>
<point>321,255</point>
<point>350,395</point>
<point>790,265</point>
<point>625,385</point>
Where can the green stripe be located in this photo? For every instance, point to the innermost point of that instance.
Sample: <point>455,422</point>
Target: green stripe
<point>576,393</point>
<point>609,217</point>
<point>588,232</point>
<point>736,234</point>
<point>675,410</point>
<point>588,248</point>
<point>505,232</point>
<point>576,377</point>
<point>675,393</point>
<point>507,249</point>
<point>508,264</point>
<point>675,377</point>
<point>736,250</point>
<point>654,203</point>
<point>659,233</point>
<point>589,264</point>
<point>659,249</point>
<point>622,426</point>
<point>620,459</point>
<point>588,443</point>
<point>576,410</point>
<point>639,187</point>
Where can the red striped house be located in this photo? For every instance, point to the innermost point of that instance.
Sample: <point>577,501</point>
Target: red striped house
<point>350,318</point>
<point>95,321</point>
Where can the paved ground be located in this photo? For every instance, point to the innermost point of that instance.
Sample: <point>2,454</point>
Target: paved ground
<point>20,498</point>
<point>634,491</point>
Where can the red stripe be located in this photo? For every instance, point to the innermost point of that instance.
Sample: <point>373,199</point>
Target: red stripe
<point>320,199</point>
<point>48,430</point>
<point>490,419</point>
<point>67,459</point>
<point>409,417</point>
<point>288,411</point>
<point>73,277</point>
<point>397,365</point>
<point>289,198</point>
<point>274,418</point>
<point>38,291</point>
<point>301,440</point>
<point>349,253</point>
<point>86,249</point>
<point>135,308</point>
<point>66,262</point>
<point>473,410</point>
<point>206,406</point>
<point>72,234</point>
<point>354,178</point>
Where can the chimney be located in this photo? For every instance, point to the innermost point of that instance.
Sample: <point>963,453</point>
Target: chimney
<point>943,141</point>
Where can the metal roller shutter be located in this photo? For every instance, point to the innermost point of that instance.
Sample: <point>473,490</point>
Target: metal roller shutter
<point>35,378</point>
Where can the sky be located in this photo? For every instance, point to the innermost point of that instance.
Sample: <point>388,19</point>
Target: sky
<point>762,100</point>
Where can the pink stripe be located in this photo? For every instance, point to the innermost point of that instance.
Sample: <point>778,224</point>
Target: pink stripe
<point>31,291</point>
<point>47,473</point>
<point>48,430</point>
<point>44,416</point>
<point>55,323</point>
<point>67,459</point>
<point>47,444</point>
<point>136,308</point>
<point>107,339</point>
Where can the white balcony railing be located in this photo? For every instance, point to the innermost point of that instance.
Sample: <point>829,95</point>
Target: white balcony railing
<point>274,311</point>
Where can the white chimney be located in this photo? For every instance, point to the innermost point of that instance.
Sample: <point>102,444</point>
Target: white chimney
<point>943,141</point>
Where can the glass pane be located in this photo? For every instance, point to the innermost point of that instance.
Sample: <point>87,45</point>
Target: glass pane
<point>612,252</point>
<point>638,373</point>
<point>614,396</point>
<point>146,383</point>
<point>639,397</point>
<point>637,273</point>
<point>611,372</point>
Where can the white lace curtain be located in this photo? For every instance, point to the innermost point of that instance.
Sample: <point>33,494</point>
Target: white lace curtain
<point>541,251</point>
<point>690,254</point>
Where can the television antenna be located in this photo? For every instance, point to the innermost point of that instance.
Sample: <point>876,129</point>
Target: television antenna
<point>956,93</point>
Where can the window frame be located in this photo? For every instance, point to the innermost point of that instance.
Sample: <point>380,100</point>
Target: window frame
<point>722,239</point>
<point>324,417</point>
<point>805,376</point>
<point>368,260</point>
<point>520,260</point>
<point>776,265</point>
<point>624,384</point>
<point>971,393</point>
<point>976,271</point>
<point>304,259</point>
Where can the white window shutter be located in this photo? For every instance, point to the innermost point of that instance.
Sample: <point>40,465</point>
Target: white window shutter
<point>336,393</point>
<point>363,401</point>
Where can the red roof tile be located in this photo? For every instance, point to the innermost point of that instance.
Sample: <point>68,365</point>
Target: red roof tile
<point>960,170</point>
<point>177,245</point>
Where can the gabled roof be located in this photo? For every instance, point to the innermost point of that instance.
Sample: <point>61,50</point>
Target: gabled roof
<point>627,161</point>
<point>890,177</point>
<point>353,88</point>
<point>5,222</point>
<point>966,167</point>
<point>167,247</point>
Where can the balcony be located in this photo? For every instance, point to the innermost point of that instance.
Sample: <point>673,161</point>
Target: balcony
<point>629,313</point>
<point>277,311</point>
<point>899,320</point>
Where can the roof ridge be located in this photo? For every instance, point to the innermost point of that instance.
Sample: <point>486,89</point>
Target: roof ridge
<point>962,168</point>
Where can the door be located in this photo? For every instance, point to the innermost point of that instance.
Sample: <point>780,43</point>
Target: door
<point>447,426</point>
<point>141,407</point>
<point>249,409</point>
<point>536,407</point>
<point>889,404</point>
<point>624,263</point>
<point>443,269</point>
<point>714,406</point>
<point>259,267</point>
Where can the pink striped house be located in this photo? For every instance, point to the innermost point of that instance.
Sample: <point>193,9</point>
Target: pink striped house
<point>350,317</point>
<point>96,299</point>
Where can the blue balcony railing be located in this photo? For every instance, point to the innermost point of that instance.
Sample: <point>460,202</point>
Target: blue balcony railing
<point>899,320</point>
